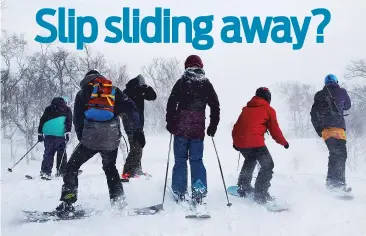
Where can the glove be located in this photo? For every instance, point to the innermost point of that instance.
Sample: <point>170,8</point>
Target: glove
<point>237,149</point>
<point>169,127</point>
<point>67,137</point>
<point>211,130</point>
<point>40,138</point>
<point>140,138</point>
<point>287,145</point>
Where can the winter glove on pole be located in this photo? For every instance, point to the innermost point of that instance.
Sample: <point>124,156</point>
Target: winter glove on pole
<point>169,128</point>
<point>211,130</point>
<point>140,138</point>
<point>40,138</point>
<point>287,145</point>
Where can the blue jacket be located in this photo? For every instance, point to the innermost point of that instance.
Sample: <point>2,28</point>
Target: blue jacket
<point>340,102</point>
<point>56,119</point>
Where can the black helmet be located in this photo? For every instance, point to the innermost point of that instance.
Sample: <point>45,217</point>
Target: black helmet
<point>264,93</point>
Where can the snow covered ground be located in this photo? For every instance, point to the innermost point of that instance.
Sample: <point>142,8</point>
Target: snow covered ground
<point>299,180</point>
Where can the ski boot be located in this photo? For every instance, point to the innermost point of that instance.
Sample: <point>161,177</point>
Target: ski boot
<point>245,191</point>
<point>45,176</point>
<point>199,207</point>
<point>263,198</point>
<point>65,209</point>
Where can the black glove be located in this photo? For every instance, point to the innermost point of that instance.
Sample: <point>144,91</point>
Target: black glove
<point>40,138</point>
<point>67,137</point>
<point>237,149</point>
<point>287,145</point>
<point>169,127</point>
<point>140,138</point>
<point>211,130</point>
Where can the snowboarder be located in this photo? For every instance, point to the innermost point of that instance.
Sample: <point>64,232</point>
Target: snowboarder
<point>185,119</point>
<point>138,91</point>
<point>54,129</point>
<point>248,138</point>
<point>327,117</point>
<point>97,107</point>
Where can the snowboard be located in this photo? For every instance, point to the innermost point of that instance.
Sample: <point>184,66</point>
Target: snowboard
<point>194,214</point>
<point>44,216</point>
<point>272,206</point>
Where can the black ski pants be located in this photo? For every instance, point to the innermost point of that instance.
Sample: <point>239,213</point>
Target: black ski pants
<point>81,155</point>
<point>264,158</point>
<point>133,161</point>
<point>336,162</point>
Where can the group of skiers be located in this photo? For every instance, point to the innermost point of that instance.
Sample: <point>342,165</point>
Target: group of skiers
<point>99,104</point>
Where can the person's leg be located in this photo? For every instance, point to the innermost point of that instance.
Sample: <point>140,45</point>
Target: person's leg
<point>264,177</point>
<point>246,173</point>
<point>133,159</point>
<point>179,175</point>
<point>48,156</point>
<point>198,170</point>
<point>61,156</point>
<point>115,187</point>
<point>69,191</point>
<point>336,163</point>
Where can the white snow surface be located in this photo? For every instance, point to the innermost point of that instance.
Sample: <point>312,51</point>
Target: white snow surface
<point>299,180</point>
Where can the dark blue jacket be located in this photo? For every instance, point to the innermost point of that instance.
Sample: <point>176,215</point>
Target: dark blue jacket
<point>340,102</point>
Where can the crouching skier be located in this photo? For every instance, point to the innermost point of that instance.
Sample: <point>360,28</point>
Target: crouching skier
<point>54,129</point>
<point>185,119</point>
<point>248,138</point>
<point>96,110</point>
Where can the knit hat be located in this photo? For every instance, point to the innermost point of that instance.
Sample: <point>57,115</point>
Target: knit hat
<point>330,79</point>
<point>192,61</point>
<point>264,93</point>
<point>92,72</point>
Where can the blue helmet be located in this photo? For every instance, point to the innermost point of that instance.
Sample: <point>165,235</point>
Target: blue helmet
<point>330,79</point>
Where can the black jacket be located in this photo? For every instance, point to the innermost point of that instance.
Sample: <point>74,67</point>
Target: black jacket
<point>58,108</point>
<point>123,106</point>
<point>138,92</point>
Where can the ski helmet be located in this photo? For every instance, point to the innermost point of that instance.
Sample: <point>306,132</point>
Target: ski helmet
<point>330,79</point>
<point>264,93</point>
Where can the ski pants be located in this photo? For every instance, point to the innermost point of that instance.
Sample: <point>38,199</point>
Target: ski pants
<point>133,161</point>
<point>192,150</point>
<point>81,155</point>
<point>337,162</point>
<point>53,144</point>
<point>264,158</point>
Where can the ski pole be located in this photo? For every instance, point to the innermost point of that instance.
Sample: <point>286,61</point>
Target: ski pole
<point>11,169</point>
<point>167,168</point>
<point>125,143</point>
<point>222,175</point>
<point>62,158</point>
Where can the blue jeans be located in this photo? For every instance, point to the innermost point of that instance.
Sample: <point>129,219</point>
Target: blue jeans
<point>192,150</point>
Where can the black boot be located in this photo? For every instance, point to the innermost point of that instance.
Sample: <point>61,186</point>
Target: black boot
<point>65,208</point>
<point>245,191</point>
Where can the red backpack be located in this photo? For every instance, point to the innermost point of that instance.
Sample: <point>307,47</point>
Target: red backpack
<point>101,103</point>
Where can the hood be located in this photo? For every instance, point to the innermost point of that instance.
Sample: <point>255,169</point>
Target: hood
<point>194,73</point>
<point>58,102</point>
<point>137,81</point>
<point>89,78</point>
<point>331,85</point>
<point>257,102</point>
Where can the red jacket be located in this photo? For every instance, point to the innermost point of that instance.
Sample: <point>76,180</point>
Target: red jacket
<point>253,122</point>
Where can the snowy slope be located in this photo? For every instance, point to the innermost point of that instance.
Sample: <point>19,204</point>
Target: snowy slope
<point>298,179</point>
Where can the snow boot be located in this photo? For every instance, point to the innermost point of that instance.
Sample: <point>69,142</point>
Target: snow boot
<point>245,191</point>
<point>199,206</point>
<point>45,176</point>
<point>65,209</point>
<point>263,198</point>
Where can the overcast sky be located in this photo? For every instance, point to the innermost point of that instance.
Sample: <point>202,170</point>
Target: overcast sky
<point>235,70</point>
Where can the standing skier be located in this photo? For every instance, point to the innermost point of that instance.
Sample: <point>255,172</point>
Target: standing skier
<point>328,120</point>
<point>96,122</point>
<point>54,129</point>
<point>248,138</point>
<point>138,91</point>
<point>186,121</point>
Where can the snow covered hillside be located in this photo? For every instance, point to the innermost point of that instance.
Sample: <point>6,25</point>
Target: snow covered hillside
<point>299,179</point>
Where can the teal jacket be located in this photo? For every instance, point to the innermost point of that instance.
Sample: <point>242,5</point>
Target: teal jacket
<point>56,119</point>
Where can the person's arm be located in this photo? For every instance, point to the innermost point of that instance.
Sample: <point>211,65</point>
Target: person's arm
<point>214,104</point>
<point>172,104</point>
<point>148,93</point>
<point>43,120</point>
<point>315,118</point>
<point>68,121</point>
<point>126,108</point>
<point>274,128</point>
<point>79,116</point>
<point>347,101</point>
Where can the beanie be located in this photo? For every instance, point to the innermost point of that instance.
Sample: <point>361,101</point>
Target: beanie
<point>192,61</point>
<point>264,93</point>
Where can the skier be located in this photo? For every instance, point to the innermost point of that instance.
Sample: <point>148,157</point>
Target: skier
<point>329,123</point>
<point>138,91</point>
<point>248,138</point>
<point>97,107</point>
<point>54,129</point>
<point>185,119</point>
